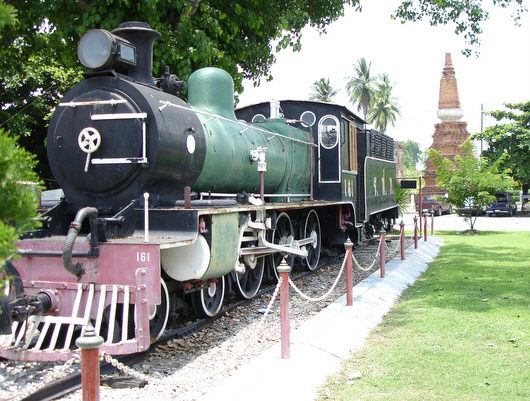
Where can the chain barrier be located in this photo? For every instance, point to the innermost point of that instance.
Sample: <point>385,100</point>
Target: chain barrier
<point>271,302</point>
<point>365,269</point>
<point>61,372</point>
<point>389,252</point>
<point>126,369</point>
<point>327,294</point>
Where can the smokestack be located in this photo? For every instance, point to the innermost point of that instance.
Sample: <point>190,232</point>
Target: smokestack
<point>141,35</point>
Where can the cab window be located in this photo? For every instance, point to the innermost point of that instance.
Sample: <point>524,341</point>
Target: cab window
<point>328,132</point>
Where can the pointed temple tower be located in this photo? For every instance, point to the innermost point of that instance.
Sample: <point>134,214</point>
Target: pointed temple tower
<point>450,133</point>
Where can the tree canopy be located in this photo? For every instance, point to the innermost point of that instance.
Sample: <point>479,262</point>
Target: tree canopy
<point>466,15</point>
<point>384,108</point>
<point>18,182</point>
<point>322,90</point>
<point>361,86</point>
<point>470,181</point>
<point>373,95</point>
<point>19,188</point>
<point>510,139</point>
<point>38,49</point>
<point>412,154</point>
<point>38,52</point>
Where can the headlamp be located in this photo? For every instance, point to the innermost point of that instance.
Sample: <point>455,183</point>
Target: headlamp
<point>99,49</point>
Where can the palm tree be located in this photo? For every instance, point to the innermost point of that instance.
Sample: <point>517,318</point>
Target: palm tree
<point>322,91</point>
<point>361,86</point>
<point>385,107</point>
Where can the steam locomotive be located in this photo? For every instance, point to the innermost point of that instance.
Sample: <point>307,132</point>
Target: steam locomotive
<point>169,205</point>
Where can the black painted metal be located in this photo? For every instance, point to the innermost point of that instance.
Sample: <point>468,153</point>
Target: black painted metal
<point>408,184</point>
<point>142,36</point>
<point>361,189</point>
<point>110,187</point>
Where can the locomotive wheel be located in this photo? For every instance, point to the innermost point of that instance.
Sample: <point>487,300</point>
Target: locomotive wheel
<point>12,290</point>
<point>312,229</point>
<point>282,235</point>
<point>158,319</point>
<point>208,301</point>
<point>115,335</point>
<point>248,283</point>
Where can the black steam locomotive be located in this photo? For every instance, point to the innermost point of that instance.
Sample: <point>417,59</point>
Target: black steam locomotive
<point>170,204</point>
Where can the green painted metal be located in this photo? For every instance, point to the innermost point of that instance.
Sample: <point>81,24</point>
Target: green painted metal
<point>349,185</point>
<point>380,184</point>
<point>224,245</point>
<point>228,166</point>
<point>296,177</point>
<point>212,89</point>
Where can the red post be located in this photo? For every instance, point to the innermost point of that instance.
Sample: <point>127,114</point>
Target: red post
<point>284,270</point>
<point>421,204</point>
<point>349,274</point>
<point>425,228</point>
<point>432,223</point>
<point>382,255</point>
<point>402,239</point>
<point>89,344</point>
<point>415,232</point>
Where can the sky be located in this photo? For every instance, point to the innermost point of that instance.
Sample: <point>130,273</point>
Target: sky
<point>413,56</point>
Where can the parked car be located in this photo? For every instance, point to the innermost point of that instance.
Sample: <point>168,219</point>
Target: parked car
<point>504,205</point>
<point>436,204</point>
<point>471,208</point>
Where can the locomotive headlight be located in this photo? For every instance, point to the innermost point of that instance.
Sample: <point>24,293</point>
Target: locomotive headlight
<point>99,49</point>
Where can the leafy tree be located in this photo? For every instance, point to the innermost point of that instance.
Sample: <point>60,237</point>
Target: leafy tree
<point>466,15</point>
<point>511,141</point>
<point>38,61</point>
<point>470,181</point>
<point>8,14</point>
<point>361,86</point>
<point>384,108</point>
<point>19,187</point>
<point>411,154</point>
<point>236,36</point>
<point>322,90</point>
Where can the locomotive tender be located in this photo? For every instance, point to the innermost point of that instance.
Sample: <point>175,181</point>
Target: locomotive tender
<point>170,203</point>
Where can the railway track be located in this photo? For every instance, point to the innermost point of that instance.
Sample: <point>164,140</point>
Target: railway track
<point>70,383</point>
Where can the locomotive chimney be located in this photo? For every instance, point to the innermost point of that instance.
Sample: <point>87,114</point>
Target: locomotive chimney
<point>143,37</point>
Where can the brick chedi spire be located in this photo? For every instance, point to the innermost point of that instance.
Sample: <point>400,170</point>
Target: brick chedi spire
<point>449,103</point>
<point>450,133</point>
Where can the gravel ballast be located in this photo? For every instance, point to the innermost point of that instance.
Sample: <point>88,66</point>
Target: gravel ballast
<point>186,369</point>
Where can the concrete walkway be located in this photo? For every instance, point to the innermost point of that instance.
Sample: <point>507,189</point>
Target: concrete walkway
<point>320,344</point>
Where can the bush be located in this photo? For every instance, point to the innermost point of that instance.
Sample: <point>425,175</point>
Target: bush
<point>19,189</point>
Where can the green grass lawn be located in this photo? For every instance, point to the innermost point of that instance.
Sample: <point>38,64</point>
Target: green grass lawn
<point>462,332</point>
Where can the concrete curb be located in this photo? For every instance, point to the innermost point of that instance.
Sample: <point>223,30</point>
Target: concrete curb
<point>320,344</point>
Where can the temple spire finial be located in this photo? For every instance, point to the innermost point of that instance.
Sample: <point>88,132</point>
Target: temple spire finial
<point>448,61</point>
<point>449,102</point>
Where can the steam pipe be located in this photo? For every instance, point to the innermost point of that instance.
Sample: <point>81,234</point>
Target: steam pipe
<point>77,269</point>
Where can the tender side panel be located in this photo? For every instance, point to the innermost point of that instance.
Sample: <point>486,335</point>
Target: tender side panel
<point>380,186</point>
<point>224,245</point>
